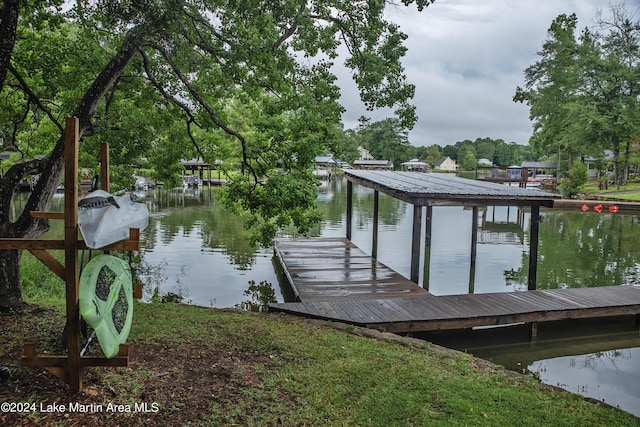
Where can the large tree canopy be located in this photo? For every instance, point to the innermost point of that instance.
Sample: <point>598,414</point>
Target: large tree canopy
<point>169,79</point>
<point>583,92</point>
<point>385,139</point>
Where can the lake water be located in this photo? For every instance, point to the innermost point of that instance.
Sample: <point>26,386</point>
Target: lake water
<point>195,248</point>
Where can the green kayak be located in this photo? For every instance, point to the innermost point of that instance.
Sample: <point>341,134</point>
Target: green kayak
<point>106,301</point>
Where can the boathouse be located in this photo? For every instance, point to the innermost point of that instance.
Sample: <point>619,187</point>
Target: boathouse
<point>424,191</point>
<point>415,165</point>
<point>333,279</point>
<point>373,164</point>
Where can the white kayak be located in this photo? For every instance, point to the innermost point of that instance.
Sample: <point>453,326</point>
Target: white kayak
<point>105,219</point>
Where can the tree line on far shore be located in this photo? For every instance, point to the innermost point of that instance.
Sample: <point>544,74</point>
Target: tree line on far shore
<point>388,140</point>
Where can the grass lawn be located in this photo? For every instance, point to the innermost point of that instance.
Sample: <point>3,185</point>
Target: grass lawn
<point>629,192</point>
<point>212,367</point>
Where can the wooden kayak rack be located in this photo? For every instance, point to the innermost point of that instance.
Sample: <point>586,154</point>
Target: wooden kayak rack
<point>69,367</point>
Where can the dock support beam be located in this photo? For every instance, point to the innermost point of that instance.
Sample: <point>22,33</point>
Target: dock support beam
<point>349,208</point>
<point>374,239</point>
<point>415,244</point>
<point>533,248</point>
<point>427,247</point>
<point>474,244</point>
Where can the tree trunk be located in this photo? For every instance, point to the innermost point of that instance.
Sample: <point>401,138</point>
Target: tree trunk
<point>10,295</point>
<point>8,34</point>
<point>50,169</point>
<point>627,153</point>
<point>617,171</point>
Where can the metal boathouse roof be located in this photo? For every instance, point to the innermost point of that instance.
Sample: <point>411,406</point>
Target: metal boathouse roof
<point>428,189</point>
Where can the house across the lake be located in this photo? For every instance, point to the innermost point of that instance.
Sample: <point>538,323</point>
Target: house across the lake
<point>592,164</point>
<point>364,154</point>
<point>446,164</point>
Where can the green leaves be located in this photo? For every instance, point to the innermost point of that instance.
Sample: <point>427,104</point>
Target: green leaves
<point>375,61</point>
<point>386,139</point>
<point>247,83</point>
<point>583,92</point>
<point>572,184</point>
<point>285,199</point>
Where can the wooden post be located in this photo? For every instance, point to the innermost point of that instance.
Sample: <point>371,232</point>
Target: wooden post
<point>69,367</point>
<point>349,208</point>
<point>74,379</point>
<point>533,248</point>
<point>415,244</point>
<point>427,247</point>
<point>474,245</point>
<point>533,331</point>
<point>105,183</point>
<point>524,175</point>
<point>374,240</point>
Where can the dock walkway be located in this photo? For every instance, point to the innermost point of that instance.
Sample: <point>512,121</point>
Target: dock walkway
<point>336,269</point>
<point>334,280</point>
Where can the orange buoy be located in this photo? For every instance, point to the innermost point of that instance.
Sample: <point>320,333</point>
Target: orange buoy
<point>613,209</point>
<point>598,208</point>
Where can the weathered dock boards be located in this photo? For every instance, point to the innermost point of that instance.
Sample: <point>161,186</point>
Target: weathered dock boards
<point>334,268</point>
<point>335,281</point>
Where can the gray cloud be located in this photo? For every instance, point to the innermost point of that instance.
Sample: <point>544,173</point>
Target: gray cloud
<point>466,59</point>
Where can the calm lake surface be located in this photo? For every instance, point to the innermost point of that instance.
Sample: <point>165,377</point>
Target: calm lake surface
<point>196,249</point>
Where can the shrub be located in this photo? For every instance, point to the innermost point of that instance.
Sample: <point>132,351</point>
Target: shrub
<point>573,182</point>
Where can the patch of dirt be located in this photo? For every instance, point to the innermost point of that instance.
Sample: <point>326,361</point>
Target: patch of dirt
<point>163,382</point>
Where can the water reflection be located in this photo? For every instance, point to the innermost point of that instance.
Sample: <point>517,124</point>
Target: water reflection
<point>576,249</point>
<point>597,358</point>
<point>203,248</point>
<point>198,238</point>
<point>609,376</point>
<point>587,250</point>
<point>203,252</point>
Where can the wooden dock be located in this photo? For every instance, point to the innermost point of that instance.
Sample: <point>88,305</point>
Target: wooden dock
<point>336,269</point>
<point>335,280</point>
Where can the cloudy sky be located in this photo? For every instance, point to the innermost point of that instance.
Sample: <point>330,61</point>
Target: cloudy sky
<point>466,58</point>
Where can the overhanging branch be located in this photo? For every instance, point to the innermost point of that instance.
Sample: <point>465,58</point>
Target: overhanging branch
<point>33,97</point>
<point>211,113</point>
